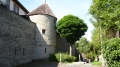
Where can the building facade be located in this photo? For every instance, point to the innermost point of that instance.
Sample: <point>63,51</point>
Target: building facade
<point>15,6</point>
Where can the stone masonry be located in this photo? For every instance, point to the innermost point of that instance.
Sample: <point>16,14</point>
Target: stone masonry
<point>16,39</point>
<point>22,41</point>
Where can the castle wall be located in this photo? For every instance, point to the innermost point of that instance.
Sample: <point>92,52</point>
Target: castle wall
<point>45,36</point>
<point>43,52</point>
<point>63,45</point>
<point>47,23</point>
<point>16,39</point>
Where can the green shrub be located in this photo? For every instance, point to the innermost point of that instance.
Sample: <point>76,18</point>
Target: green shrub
<point>111,50</point>
<point>96,63</point>
<point>90,56</point>
<point>64,57</point>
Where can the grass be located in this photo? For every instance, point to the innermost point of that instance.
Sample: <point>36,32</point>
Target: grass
<point>96,63</point>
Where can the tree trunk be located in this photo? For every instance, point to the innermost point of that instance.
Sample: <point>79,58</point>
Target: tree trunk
<point>117,34</point>
<point>70,50</point>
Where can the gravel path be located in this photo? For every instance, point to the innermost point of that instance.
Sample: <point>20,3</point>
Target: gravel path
<point>55,64</point>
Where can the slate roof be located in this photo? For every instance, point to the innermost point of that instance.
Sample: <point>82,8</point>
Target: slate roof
<point>44,9</point>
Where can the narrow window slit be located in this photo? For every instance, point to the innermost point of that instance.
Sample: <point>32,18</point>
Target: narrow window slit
<point>43,31</point>
<point>45,50</point>
<point>15,50</point>
<point>23,51</point>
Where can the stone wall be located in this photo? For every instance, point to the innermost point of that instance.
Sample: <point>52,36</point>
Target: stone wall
<point>46,23</point>
<point>16,39</point>
<point>45,41</point>
<point>63,45</point>
<point>43,52</point>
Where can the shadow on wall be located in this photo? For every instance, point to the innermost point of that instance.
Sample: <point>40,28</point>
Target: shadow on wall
<point>62,45</point>
<point>40,45</point>
<point>42,50</point>
<point>79,58</point>
<point>39,40</point>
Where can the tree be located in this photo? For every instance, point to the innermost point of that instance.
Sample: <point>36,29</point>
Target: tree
<point>89,49</point>
<point>83,45</point>
<point>111,50</point>
<point>107,13</point>
<point>72,28</point>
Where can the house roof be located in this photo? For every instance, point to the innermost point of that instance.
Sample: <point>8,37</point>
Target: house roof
<point>20,5</point>
<point>44,9</point>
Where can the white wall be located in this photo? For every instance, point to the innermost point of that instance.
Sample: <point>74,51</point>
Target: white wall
<point>11,5</point>
<point>44,22</point>
<point>44,41</point>
<point>21,12</point>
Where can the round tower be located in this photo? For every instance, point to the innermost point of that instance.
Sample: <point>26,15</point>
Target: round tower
<point>45,31</point>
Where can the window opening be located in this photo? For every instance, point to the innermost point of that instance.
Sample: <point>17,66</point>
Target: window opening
<point>23,51</point>
<point>45,50</point>
<point>43,31</point>
<point>8,3</point>
<point>15,51</point>
<point>16,9</point>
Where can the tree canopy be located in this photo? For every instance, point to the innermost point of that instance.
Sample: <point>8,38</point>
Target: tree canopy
<point>89,49</point>
<point>107,13</point>
<point>72,28</point>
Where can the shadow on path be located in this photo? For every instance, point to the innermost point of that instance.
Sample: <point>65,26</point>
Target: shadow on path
<point>41,63</point>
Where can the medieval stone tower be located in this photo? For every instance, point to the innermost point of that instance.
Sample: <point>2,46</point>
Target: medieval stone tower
<point>45,31</point>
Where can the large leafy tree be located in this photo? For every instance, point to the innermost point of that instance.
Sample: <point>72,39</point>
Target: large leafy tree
<point>107,13</point>
<point>72,28</point>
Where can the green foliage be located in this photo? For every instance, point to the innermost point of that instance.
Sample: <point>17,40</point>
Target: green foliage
<point>88,48</point>
<point>107,14</point>
<point>96,63</point>
<point>64,57</point>
<point>72,28</point>
<point>90,55</point>
<point>111,50</point>
<point>83,45</point>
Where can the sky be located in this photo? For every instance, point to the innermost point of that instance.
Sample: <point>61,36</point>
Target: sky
<point>61,8</point>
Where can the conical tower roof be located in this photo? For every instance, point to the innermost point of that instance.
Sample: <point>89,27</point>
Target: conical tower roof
<point>44,9</point>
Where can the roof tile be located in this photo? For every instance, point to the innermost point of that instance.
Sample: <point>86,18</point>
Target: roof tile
<point>44,9</point>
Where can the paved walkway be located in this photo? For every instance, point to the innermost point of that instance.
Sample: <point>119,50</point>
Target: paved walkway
<point>55,64</point>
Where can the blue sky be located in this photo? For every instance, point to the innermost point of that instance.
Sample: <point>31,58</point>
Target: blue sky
<point>64,7</point>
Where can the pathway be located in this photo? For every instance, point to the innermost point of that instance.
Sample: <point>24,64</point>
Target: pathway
<point>55,64</point>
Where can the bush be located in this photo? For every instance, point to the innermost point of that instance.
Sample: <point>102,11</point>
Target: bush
<point>96,63</point>
<point>91,56</point>
<point>111,51</point>
<point>64,57</point>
